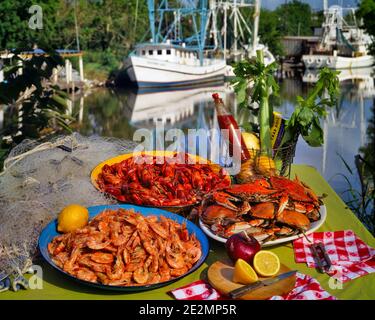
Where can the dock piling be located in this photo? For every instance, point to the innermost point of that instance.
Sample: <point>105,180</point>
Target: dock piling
<point>80,61</point>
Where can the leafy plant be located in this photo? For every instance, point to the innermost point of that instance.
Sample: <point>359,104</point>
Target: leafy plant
<point>255,74</point>
<point>361,201</point>
<point>305,119</point>
<point>27,89</point>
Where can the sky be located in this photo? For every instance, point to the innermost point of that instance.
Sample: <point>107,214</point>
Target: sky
<point>315,4</point>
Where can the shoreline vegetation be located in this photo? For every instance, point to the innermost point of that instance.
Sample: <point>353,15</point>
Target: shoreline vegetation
<point>111,29</point>
<point>107,34</point>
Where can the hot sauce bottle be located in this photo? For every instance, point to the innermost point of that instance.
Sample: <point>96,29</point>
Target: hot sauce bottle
<point>227,121</point>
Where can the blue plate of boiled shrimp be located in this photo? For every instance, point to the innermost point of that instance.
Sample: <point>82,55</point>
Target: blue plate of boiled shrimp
<point>85,275</point>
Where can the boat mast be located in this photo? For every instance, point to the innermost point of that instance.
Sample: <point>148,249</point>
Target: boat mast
<point>256,26</point>
<point>187,8</point>
<point>213,17</point>
<point>151,16</point>
<point>242,41</point>
<point>235,23</point>
<point>203,26</point>
<point>225,31</point>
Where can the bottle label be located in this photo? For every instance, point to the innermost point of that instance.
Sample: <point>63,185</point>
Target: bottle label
<point>277,130</point>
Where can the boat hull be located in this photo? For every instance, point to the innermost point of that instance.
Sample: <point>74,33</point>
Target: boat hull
<point>337,62</point>
<point>150,73</point>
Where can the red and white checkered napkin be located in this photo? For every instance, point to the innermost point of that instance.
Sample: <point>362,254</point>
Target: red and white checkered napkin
<point>198,290</point>
<point>350,256</point>
<point>306,288</point>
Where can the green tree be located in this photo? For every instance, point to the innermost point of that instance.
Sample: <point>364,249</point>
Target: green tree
<point>13,22</point>
<point>366,11</point>
<point>269,31</point>
<point>294,18</point>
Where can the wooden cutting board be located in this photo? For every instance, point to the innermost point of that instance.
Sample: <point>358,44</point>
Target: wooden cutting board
<point>220,276</point>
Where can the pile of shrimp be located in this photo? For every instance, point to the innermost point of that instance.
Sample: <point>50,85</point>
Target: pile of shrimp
<point>124,248</point>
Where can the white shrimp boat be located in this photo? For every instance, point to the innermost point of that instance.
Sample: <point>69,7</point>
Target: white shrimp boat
<point>174,59</point>
<point>337,62</point>
<point>165,65</point>
<point>343,46</point>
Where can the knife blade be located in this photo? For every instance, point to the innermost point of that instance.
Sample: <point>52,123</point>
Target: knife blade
<point>244,289</point>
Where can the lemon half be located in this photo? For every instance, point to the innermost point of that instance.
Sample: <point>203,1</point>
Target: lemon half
<point>266,263</point>
<point>72,217</point>
<point>244,273</point>
<point>252,143</point>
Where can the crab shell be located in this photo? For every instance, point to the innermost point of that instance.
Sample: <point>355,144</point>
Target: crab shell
<point>294,219</point>
<point>294,189</point>
<point>219,214</point>
<point>266,208</point>
<point>267,211</point>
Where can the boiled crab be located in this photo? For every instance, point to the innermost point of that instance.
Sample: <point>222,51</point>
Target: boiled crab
<point>266,208</point>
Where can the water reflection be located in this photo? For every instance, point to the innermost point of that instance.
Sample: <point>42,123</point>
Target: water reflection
<point>181,109</point>
<point>344,128</point>
<point>120,113</point>
<point>113,113</point>
<point>102,113</point>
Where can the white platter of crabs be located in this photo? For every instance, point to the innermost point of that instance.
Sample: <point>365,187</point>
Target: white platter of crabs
<point>272,209</point>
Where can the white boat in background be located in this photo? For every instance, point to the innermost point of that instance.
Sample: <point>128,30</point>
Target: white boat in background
<point>343,46</point>
<point>173,58</point>
<point>165,64</point>
<point>312,75</point>
<point>337,62</point>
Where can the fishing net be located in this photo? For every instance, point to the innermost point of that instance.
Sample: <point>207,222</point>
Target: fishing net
<point>39,179</point>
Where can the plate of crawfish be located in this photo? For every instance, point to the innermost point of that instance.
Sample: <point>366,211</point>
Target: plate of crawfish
<point>126,248</point>
<point>272,209</point>
<point>162,179</point>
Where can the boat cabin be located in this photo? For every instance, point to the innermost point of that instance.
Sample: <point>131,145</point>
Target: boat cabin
<point>168,53</point>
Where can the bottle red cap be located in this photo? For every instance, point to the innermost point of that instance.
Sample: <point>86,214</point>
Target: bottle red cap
<point>217,98</point>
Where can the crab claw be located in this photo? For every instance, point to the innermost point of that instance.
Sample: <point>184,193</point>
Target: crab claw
<point>314,215</point>
<point>250,191</point>
<point>237,227</point>
<point>225,199</point>
<point>244,208</point>
<point>283,203</point>
<point>260,234</point>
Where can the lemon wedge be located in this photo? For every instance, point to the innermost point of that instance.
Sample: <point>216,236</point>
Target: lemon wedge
<point>244,273</point>
<point>266,263</point>
<point>252,143</point>
<point>72,217</point>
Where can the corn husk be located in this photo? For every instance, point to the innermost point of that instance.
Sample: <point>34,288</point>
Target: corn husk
<point>264,165</point>
<point>247,172</point>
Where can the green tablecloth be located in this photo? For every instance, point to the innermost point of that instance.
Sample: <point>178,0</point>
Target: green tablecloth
<point>57,286</point>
